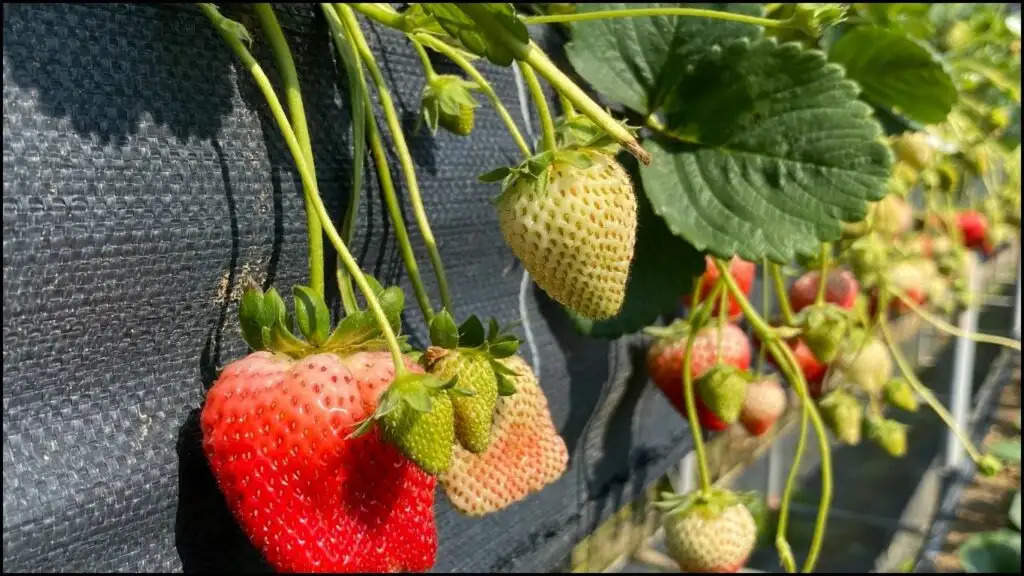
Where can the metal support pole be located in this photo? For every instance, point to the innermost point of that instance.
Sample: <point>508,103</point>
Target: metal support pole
<point>687,481</point>
<point>963,367</point>
<point>773,492</point>
<point>1016,301</point>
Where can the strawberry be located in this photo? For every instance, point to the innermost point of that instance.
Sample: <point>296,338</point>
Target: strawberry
<point>706,416</point>
<point>842,413</point>
<point>473,413</point>
<point>898,393</point>
<point>741,270</point>
<point>708,533</point>
<point>665,356</point>
<point>374,371</point>
<point>867,367</point>
<point>765,402</point>
<point>892,216</point>
<point>275,431</point>
<point>470,357</point>
<point>570,217</point>
<point>890,435</point>
<point>416,415</point>
<point>911,277</point>
<point>824,328</point>
<point>526,453</point>
<point>914,149</point>
<point>722,390</point>
<point>447,102</point>
<point>868,256</point>
<point>973,228</point>
<point>841,289</point>
<point>813,369</point>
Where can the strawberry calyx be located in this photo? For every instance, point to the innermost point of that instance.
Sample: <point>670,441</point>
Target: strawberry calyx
<point>447,101</point>
<point>842,413</point>
<point>469,338</point>
<point>267,325</point>
<point>709,504</point>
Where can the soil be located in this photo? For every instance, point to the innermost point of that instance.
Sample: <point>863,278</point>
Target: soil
<point>984,503</point>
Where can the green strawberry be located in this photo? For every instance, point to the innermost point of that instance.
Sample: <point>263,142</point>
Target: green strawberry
<point>723,390</point>
<point>898,393</point>
<point>843,414</point>
<point>447,102</point>
<point>570,217</point>
<point>470,358</point>
<point>824,327</point>
<point>415,414</point>
<point>890,435</point>
<point>473,413</point>
<point>708,532</point>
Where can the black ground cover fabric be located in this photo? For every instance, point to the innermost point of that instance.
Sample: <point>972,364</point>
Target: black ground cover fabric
<point>143,182</point>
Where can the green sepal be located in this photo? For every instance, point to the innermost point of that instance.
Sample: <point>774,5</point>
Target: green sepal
<point>250,318</point>
<point>443,331</point>
<point>471,333</point>
<point>311,313</point>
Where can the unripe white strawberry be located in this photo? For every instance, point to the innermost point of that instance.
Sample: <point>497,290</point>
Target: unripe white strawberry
<point>574,229</point>
<point>715,536</point>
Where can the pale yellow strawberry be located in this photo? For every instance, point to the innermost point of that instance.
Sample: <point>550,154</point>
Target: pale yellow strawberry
<point>576,237</point>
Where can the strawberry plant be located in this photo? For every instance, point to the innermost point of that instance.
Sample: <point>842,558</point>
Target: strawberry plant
<point>847,142</point>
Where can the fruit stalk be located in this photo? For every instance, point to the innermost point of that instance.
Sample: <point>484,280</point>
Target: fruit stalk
<point>428,68</point>
<point>348,18</point>
<point>696,319</point>
<point>293,97</point>
<point>228,31</point>
<point>357,89</point>
<point>641,12</point>
<point>785,360</point>
<point>950,329</point>
<point>927,395</point>
<point>780,293</point>
<point>485,86</point>
<point>819,298</point>
<point>537,94</point>
<point>531,54</point>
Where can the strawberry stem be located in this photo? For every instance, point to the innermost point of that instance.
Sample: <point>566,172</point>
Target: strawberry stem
<point>787,363</point>
<point>357,90</point>
<point>642,12</point>
<point>382,13</point>
<point>485,86</point>
<point>723,318</point>
<point>428,68</point>
<point>928,396</point>
<point>696,320</point>
<point>228,31</point>
<point>948,328</point>
<point>780,293</point>
<point>531,54</point>
<point>537,94</point>
<point>348,18</point>
<point>764,312</point>
<point>819,298</point>
<point>293,97</point>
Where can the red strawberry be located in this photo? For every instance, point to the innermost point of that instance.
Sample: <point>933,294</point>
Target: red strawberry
<point>275,431</point>
<point>814,370</point>
<point>665,358</point>
<point>706,416</point>
<point>741,270</point>
<point>973,228</point>
<point>765,402</point>
<point>373,371</point>
<point>841,289</point>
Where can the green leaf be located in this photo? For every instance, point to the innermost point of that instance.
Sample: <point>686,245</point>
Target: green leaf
<point>1008,450</point>
<point>443,331</point>
<point>785,152</point>
<point>392,301</point>
<point>418,397</point>
<point>505,385</point>
<point>250,318</point>
<point>312,315</point>
<point>896,72</point>
<point>471,333</point>
<point>465,26</point>
<point>637,62</point>
<point>664,267</point>
<point>496,175</point>
<point>492,329</point>
<point>273,308</point>
<point>985,552</point>
<point>1014,513</point>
